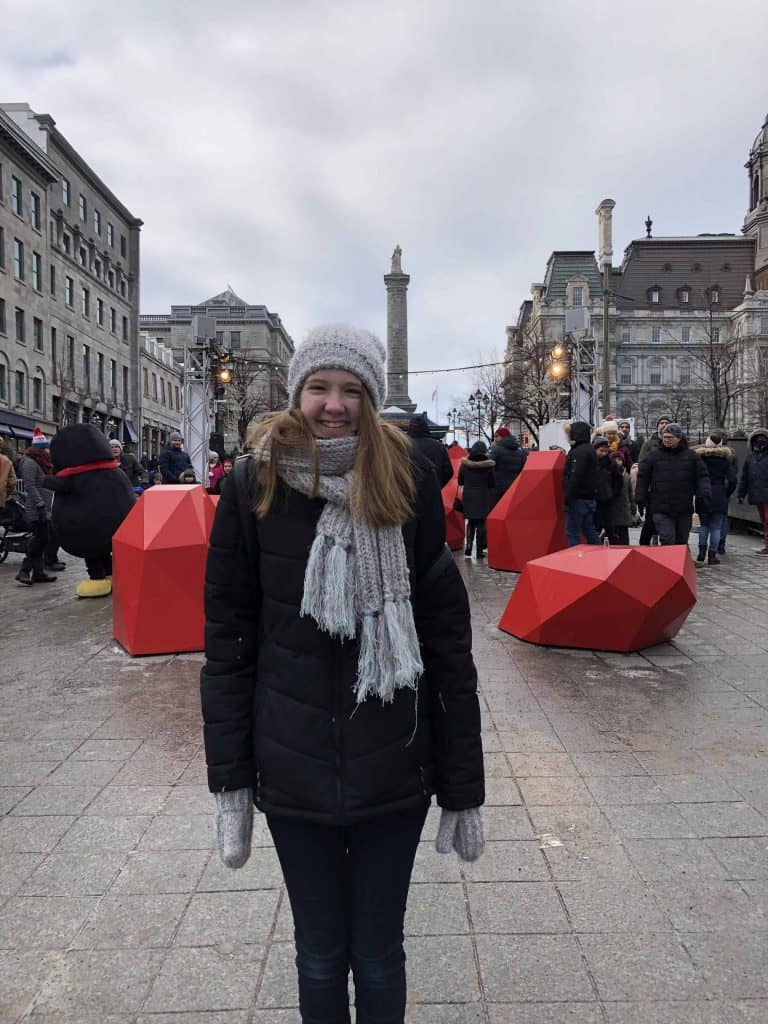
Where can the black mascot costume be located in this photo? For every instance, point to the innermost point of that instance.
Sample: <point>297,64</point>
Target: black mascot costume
<point>92,498</point>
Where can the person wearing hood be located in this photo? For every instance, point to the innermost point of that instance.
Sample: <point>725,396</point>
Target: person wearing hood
<point>754,479</point>
<point>128,462</point>
<point>580,480</point>
<point>430,448</point>
<point>476,479</point>
<point>510,461</point>
<point>669,478</point>
<point>215,471</point>
<point>608,486</point>
<point>648,531</point>
<point>718,460</point>
<point>34,466</point>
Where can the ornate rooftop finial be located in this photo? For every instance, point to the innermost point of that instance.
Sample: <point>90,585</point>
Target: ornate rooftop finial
<point>396,264</point>
<point>648,226</point>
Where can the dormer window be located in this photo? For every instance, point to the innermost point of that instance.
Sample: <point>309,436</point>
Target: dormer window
<point>684,296</point>
<point>696,267</point>
<point>578,295</point>
<point>667,267</point>
<point>713,293</point>
<point>654,295</point>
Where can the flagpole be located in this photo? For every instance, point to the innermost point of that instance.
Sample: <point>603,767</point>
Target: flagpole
<point>436,419</point>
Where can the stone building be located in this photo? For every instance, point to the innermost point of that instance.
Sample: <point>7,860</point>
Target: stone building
<point>69,287</point>
<point>260,347</point>
<point>160,380</point>
<point>687,318</point>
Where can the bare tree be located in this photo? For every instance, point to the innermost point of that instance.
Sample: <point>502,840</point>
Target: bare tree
<point>249,392</point>
<point>531,396</point>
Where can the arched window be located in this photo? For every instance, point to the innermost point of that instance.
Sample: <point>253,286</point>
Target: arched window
<point>684,366</point>
<point>625,372</point>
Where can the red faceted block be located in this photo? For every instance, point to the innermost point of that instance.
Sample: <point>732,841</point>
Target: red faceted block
<point>603,598</point>
<point>529,519</point>
<point>454,521</point>
<point>159,556</point>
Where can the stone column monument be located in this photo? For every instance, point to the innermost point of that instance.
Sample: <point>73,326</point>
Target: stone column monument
<point>397,335</point>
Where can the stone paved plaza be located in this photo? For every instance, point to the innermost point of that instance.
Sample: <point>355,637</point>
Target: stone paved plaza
<point>625,878</point>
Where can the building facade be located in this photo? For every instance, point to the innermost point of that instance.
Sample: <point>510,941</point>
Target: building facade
<point>69,287</point>
<point>687,321</point>
<point>260,349</point>
<point>160,381</point>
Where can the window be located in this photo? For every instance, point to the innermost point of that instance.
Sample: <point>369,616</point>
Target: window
<point>3,384</point>
<point>715,335</point>
<point>654,374</point>
<point>67,243</point>
<point>155,393</point>
<point>2,247</point>
<point>83,256</point>
<point>100,312</point>
<point>715,294</point>
<point>65,191</point>
<point>3,323</point>
<point>123,287</point>
<point>35,210</point>
<point>87,367</point>
<point>162,390</point>
<point>113,380</point>
<point>125,328</point>
<point>37,271</point>
<point>176,389</point>
<point>110,236</point>
<point>123,246</point>
<point>54,352</point>
<point>111,278</point>
<point>145,375</point>
<point>656,334</point>
<point>234,339</point>
<point>686,333</point>
<point>16,200</point>
<point>85,301</point>
<point>69,291</point>
<point>655,296</point>
<point>685,296</point>
<point>37,394</point>
<point>578,295</point>
<point>71,357</point>
<point>97,222</point>
<point>37,333</point>
<point>18,259</point>
<point>125,386</point>
<point>20,326</point>
<point>100,373</point>
<point>53,280</point>
<point>97,268</point>
<point>83,208</point>
<point>112,319</point>
<point>625,373</point>
<point>21,388</point>
<point>626,335</point>
<point>685,372</point>
<point>764,324</point>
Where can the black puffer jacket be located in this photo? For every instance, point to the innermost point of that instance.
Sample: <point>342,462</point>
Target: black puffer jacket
<point>722,475</point>
<point>476,478</point>
<point>754,473</point>
<point>510,460</point>
<point>172,463</point>
<point>580,477</point>
<point>673,477</point>
<point>277,693</point>
<point>430,448</point>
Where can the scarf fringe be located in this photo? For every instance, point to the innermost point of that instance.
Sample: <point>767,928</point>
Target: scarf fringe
<point>329,589</point>
<point>390,658</point>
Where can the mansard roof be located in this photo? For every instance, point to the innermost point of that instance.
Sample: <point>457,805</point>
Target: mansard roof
<point>225,298</point>
<point>563,265</point>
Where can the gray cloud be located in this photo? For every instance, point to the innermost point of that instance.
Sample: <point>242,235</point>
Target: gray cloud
<point>286,147</point>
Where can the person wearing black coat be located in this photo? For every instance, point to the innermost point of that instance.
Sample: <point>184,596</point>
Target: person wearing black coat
<point>173,460</point>
<point>509,458</point>
<point>718,460</point>
<point>432,449</point>
<point>580,480</point>
<point>669,478</point>
<point>609,485</point>
<point>476,480</point>
<point>339,689</point>
<point>754,479</point>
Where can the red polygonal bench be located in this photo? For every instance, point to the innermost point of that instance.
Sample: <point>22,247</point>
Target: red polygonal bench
<point>603,598</point>
<point>159,556</point>
<point>529,519</point>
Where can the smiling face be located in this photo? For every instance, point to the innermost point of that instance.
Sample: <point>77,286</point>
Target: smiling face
<point>330,402</point>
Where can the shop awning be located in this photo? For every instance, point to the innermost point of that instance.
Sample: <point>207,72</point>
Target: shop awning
<point>19,432</point>
<point>129,433</point>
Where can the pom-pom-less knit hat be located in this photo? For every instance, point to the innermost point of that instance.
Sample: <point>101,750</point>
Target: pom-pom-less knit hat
<point>340,347</point>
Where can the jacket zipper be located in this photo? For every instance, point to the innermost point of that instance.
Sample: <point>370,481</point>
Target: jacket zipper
<point>338,700</point>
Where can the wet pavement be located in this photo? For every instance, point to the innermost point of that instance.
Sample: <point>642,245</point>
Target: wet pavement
<point>626,872</point>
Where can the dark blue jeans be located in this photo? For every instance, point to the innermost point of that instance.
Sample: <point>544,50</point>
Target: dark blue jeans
<point>580,518</point>
<point>348,889</point>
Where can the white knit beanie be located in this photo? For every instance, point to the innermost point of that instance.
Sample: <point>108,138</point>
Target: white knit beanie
<point>340,347</point>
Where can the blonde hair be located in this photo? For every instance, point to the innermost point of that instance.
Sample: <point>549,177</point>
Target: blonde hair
<point>384,487</point>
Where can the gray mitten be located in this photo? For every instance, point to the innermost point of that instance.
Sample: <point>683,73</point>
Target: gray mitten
<point>234,826</point>
<point>461,831</point>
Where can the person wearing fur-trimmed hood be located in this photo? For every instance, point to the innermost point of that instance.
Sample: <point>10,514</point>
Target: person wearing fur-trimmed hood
<point>754,479</point>
<point>339,691</point>
<point>477,480</point>
<point>718,460</point>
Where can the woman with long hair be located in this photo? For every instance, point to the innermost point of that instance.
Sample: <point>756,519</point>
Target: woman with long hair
<point>339,690</point>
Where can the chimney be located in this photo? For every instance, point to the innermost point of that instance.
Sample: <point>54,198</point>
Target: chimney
<point>605,232</point>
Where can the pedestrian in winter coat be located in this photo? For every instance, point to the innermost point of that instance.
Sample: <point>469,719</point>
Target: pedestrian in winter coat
<point>718,460</point>
<point>608,487</point>
<point>7,478</point>
<point>128,462</point>
<point>34,466</point>
<point>430,448</point>
<point>215,471</point>
<point>580,479</point>
<point>476,480</point>
<point>339,691</point>
<point>173,460</point>
<point>669,479</point>
<point>754,479</point>
<point>626,443</point>
<point>654,441</point>
<point>226,464</point>
<point>510,460</point>
<point>623,508</point>
<point>609,429</point>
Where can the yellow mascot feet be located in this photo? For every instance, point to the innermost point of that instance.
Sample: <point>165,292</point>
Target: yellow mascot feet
<point>94,588</point>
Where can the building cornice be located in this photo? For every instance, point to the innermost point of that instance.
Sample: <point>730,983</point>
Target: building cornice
<point>20,143</point>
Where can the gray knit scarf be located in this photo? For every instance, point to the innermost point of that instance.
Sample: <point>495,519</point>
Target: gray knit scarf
<point>356,580</point>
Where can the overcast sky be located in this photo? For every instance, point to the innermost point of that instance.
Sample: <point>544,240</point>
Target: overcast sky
<point>286,147</point>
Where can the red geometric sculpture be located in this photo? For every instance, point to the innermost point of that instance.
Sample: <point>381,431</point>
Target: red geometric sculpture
<point>603,599</point>
<point>159,557</point>
<point>454,521</point>
<point>529,520</point>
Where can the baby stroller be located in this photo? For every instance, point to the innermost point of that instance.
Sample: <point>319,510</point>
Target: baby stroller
<point>14,532</point>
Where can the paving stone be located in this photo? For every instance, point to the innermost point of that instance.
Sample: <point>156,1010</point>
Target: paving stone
<point>100,981</point>
<point>279,984</point>
<point>613,906</point>
<point>511,908</point>
<point>533,967</point>
<point>90,833</point>
<point>649,821</point>
<point>742,857</point>
<point>544,791</point>
<point>574,823</point>
<point>30,922</point>
<point>732,965</point>
<point>670,1013</point>
<point>711,905</point>
<point>626,790</point>
<point>531,765</point>
<point>696,789</point>
<point>132,921</point>
<point>585,861</point>
<point>227,1017</point>
<point>27,773</point>
<point>22,973</point>
<point>545,1013</point>
<point>105,750</point>
<point>206,978</point>
<point>128,801</point>
<point>32,835</point>
<point>516,861</point>
<point>507,823</point>
<point>228,917</point>
<point>73,874</point>
<point>46,800</point>
<point>724,819</point>
<point>262,871</point>
<point>436,910</point>
<point>172,832</point>
<point>666,859</point>
<point>431,866</point>
<point>11,796</point>
<point>148,871</point>
<point>607,762</point>
<point>83,773</point>
<point>501,793</point>
<point>441,969</point>
<point>447,1013</point>
<point>642,967</point>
